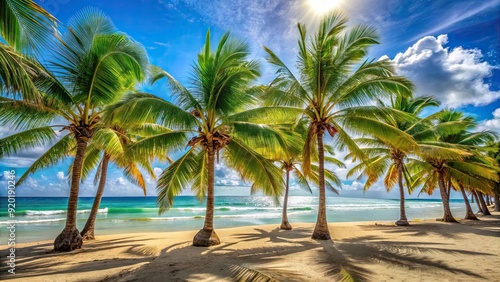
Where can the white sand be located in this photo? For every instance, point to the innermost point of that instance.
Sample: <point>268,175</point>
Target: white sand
<point>425,251</point>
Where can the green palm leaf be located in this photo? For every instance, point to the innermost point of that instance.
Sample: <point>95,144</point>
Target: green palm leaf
<point>159,144</point>
<point>175,178</point>
<point>25,25</point>
<point>255,169</point>
<point>26,140</point>
<point>141,107</point>
<point>52,156</point>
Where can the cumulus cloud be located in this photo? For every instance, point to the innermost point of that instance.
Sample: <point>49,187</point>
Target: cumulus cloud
<point>491,124</point>
<point>227,182</point>
<point>354,186</point>
<point>120,181</point>
<point>60,175</point>
<point>225,176</point>
<point>455,76</point>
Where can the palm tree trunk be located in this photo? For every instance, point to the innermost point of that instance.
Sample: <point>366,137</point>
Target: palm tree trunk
<point>469,214</point>
<point>403,221</point>
<point>497,202</point>
<point>448,190</point>
<point>474,195</point>
<point>483,204</point>
<point>488,200</point>
<point>447,217</point>
<point>321,231</point>
<point>284,221</point>
<point>88,231</point>
<point>207,237</point>
<point>70,238</point>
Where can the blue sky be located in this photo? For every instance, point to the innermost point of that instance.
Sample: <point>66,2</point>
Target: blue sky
<point>450,49</point>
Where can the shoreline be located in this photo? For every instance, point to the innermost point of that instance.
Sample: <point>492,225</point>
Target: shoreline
<point>120,216</point>
<point>116,232</point>
<point>426,250</point>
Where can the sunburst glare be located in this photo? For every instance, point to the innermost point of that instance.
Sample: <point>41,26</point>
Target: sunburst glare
<point>323,6</point>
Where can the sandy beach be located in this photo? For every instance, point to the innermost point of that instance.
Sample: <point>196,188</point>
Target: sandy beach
<point>370,251</point>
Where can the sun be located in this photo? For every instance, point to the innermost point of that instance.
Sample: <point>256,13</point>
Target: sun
<point>323,6</point>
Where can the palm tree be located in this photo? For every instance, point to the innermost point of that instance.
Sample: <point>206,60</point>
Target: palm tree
<point>494,152</point>
<point>289,161</point>
<point>475,140</point>
<point>95,66</point>
<point>113,144</point>
<point>219,113</point>
<point>389,159</point>
<point>25,28</point>
<point>455,161</point>
<point>333,82</point>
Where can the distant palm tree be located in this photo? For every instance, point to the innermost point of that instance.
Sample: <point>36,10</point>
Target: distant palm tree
<point>25,28</point>
<point>333,82</point>
<point>452,160</point>
<point>219,113</point>
<point>494,152</point>
<point>389,159</point>
<point>95,66</point>
<point>115,144</point>
<point>289,161</point>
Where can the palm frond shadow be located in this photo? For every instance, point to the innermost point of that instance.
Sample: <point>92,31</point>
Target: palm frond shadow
<point>32,261</point>
<point>402,254</point>
<point>338,264</point>
<point>242,273</point>
<point>276,235</point>
<point>344,260</point>
<point>450,231</point>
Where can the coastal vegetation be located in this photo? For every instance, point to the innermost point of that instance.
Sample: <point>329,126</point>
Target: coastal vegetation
<point>78,88</point>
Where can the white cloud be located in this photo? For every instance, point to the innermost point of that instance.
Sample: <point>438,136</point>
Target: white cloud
<point>120,181</point>
<point>157,171</point>
<point>227,182</point>
<point>454,76</point>
<point>354,186</point>
<point>60,175</point>
<point>32,184</point>
<point>491,124</point>
<point>225,176</point>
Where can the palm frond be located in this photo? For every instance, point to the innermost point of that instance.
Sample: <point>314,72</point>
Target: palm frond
<point>158,145</point>
<point>391,177</point>
<point>302,180</point>
<point>256,169</point>
<point>137,108</point>
<point>17,72</point>
<point>25,115</point>
<point>52,156</point>
<point>200,177</point>
<point>25,25</point>
<point>268,115</point>
<point>24,140</point>
<point>181,95</point>
<point>175,178</point>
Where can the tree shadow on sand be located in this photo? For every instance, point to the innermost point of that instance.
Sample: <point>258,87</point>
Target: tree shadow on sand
<point>489,226</point>
<point>239,259</point>
<point>344,260</point>
<point>32,261</point>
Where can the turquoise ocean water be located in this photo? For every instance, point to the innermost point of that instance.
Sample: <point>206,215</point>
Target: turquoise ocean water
<point>43,218</point>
